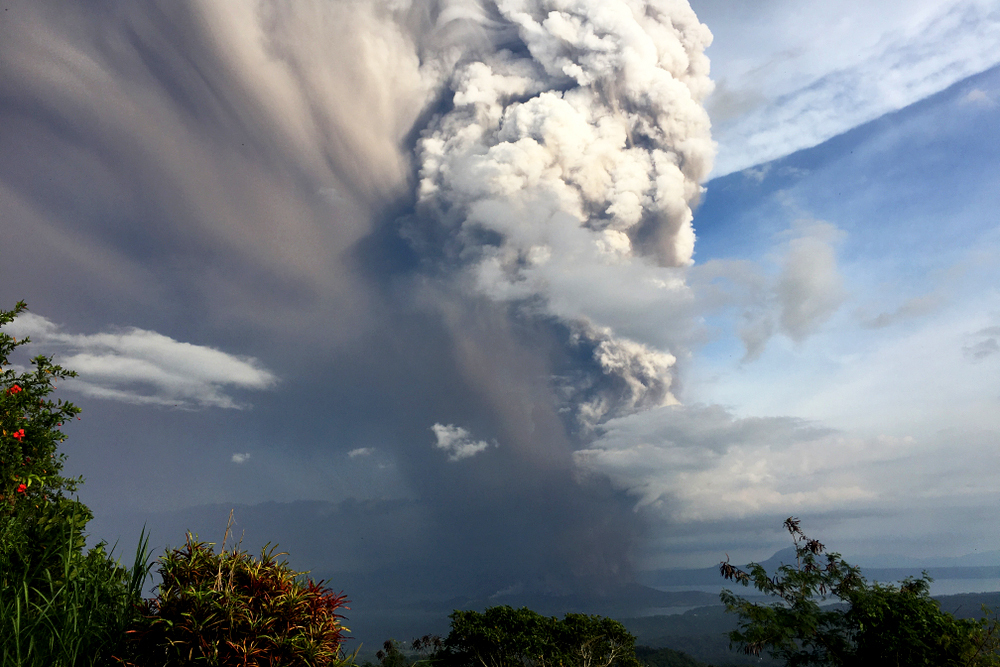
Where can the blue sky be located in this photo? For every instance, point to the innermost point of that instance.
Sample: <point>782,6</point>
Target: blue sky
<point>904,256</point>
<point>906,358</point>
<point>429,271</point>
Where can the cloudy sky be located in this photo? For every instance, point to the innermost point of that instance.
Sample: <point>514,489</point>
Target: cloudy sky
<point>518,290</point>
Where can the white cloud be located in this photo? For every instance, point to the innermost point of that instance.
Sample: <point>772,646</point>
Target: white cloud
<point>810,288</point>
<point>757,174</point>
<point>361,451</point>
<point>701,463</point>
<point>457,442</point>
<point>978,96</point>
<point>806,292</point>
<point>241,458</point>
<point>981,350</point>
<point>898,61</point>
<point>921,377</point>
<point>140,366</point>
<point>913,307</point>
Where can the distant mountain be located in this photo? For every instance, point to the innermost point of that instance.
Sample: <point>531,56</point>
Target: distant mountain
<point>708,576</point>
<point>984,565</point>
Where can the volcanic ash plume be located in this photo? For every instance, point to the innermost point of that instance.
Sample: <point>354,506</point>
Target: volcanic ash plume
<point>570,159</point>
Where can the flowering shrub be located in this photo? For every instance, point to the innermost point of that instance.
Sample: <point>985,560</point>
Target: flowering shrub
<point>228,608</point>
<point>35,510</point>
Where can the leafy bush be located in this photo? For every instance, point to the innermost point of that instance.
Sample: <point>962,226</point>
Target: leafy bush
<point>507,637</point>
<point>229,609</point>
<point>58,605</point>
<point>878,624</point>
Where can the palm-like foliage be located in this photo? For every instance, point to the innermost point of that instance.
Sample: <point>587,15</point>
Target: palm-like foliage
<point>229,608</point>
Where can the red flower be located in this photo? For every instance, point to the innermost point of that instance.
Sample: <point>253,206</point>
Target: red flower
<point>18,434</point>
<point>14,390</point>
<point>21,488</point>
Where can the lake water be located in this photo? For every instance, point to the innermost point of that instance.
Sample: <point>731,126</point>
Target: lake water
<point>956,586</point>
<point>938,587</point>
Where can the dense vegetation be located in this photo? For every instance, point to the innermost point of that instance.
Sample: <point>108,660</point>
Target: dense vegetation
<point>506,637</point>
<point>64,605</point>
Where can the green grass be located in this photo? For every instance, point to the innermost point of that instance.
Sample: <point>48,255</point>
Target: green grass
<point>74,612</point>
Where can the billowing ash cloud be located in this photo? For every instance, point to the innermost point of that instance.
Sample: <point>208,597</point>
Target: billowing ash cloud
<point>570,158</point>
<point>632,377</point>
<point>449,223</point>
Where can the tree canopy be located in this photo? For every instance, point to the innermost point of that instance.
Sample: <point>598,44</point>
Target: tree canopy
<point>508,637</point>
<point>875,624</point>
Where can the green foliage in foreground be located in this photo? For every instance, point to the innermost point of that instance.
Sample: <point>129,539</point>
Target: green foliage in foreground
<point>35,513</point>
<point>421,654</point>
<point>229,608</point>
<point>59,605</point>
<point>883,625</point>
<point>507,637</point>
<point>76,614</point>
